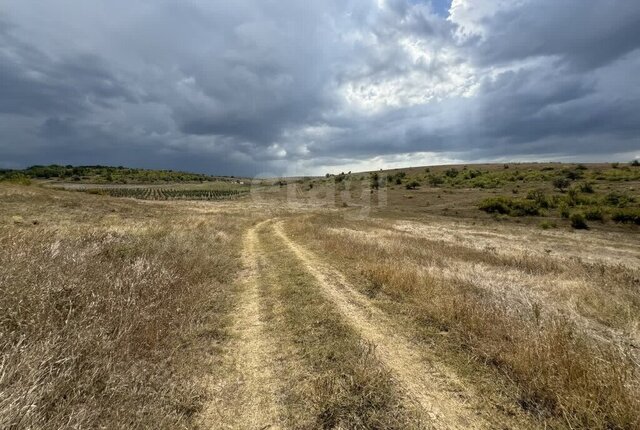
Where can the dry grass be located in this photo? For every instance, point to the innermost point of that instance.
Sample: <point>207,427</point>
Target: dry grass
<point>562,371</point>
<point>117,313</point>
<point>105,310</point>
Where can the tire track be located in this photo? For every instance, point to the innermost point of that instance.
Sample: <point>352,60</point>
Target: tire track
<point>438,391</point>
<point>246,398</point>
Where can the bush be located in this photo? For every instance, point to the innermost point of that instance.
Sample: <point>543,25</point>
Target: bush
<point>572,197</point>
<point>521,207</point>
<point>586,187</point>
<point>627,216</point>
<point>435,180</point>
<point>594,214</point>
<point>17,178</point>
<point>561,183</point>
<point>573,174</point>
<point>495,205</point>
<point>564,210</point>
<point>618,200</point>
<point>540,198</point>
<point>578,221</point>
<point>413,185</point>
<point>512,207</point>
<point>635,163</point>
<point>451,173</point>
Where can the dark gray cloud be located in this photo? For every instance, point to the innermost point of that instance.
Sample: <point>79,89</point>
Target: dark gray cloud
<point>584,34</point>
<point>246,87</point>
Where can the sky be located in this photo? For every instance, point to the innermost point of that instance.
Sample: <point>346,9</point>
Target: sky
<point>259,87</point>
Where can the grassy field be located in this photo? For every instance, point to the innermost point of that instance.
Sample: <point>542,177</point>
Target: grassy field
<point>483,297</point>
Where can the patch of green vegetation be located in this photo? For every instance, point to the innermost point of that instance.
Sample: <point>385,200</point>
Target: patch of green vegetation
<point>15,177</point>
<point>630,216</point>
<point>625,173</point>
<point>107,174</point>
<point>594,195</point>
<point>412,185</point>
<point>618,200</point>
<point>560,178</point>
<point>510,206</point>
<point>594,214</point>
<point>561,183</point>
<point>578,221</point>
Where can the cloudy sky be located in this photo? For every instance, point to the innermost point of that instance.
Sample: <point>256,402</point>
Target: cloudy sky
<point>306,87</point>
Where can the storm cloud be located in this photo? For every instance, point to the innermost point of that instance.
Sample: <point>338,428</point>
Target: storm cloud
<point>292,87</point>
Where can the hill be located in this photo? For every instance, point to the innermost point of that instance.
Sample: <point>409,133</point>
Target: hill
<point>106,174</point>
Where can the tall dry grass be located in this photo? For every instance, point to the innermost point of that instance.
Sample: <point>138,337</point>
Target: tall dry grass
<point>102,319</point>
<point>560,371</point>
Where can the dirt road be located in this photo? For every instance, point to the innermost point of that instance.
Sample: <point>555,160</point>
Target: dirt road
<point>273,369</point>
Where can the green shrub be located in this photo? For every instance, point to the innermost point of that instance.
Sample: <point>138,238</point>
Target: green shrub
<point>618,200</point>
<point>564,210</point>
<point>17,178</point>
<point>512,207</point>
<point>540,198</point>
<point>578,221</point>
<point>413,185</point>
<point>561,183</point>
<point>451,173</point>
<point>470,174</point>
<point>635,163</point>
<point>586,187</point>
<point>572,174</point>
<point>435,180</point>
<point>495,205</point>
<point>594,214</point>
<point>572,198</point>
<point>627,216</point>
<point>520,207</point>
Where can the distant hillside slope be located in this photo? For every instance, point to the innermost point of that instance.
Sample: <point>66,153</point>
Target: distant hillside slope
<point>107,174</point>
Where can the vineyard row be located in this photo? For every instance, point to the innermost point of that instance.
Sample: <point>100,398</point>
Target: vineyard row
<point>167,193</point>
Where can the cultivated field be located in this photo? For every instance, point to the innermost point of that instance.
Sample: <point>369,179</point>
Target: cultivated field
<point>478,297</point>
